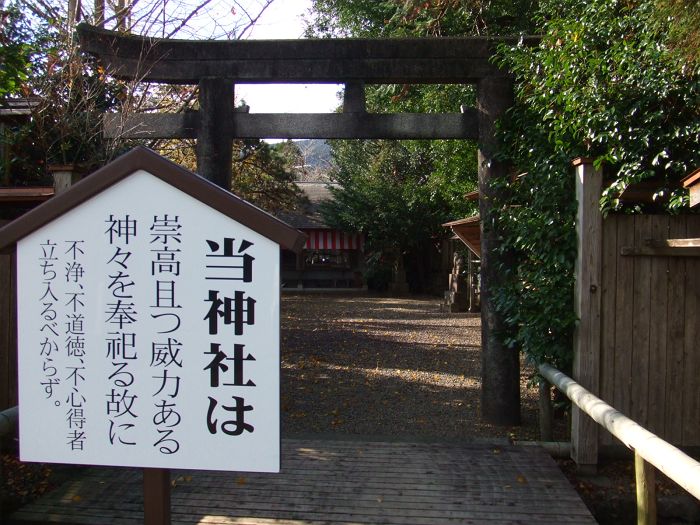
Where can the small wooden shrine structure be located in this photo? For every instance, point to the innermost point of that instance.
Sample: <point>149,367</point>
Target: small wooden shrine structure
<point>330,258</point>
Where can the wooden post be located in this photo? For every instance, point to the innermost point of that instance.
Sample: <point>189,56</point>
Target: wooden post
<point>645,477</point>
<point>214,143</point>
<point>545,407</point>
<point>470,280</point>
<point>8,336</point>
<point>99,13</point>
<point>587,304</point>
<point>500,366</point>
<point>64,176</point>
<point>156,496</point>
<point>473,285</point>
<point>73,12</point>
<point>5,156</point>
<point>120,12</point>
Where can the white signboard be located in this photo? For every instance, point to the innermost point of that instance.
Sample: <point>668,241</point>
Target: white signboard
<point>149,335</point>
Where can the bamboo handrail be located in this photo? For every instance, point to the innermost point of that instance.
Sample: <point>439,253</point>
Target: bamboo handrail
<point>677,465</point>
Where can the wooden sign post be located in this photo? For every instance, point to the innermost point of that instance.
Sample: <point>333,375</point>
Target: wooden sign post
<point>156,496</point>
<point>148,325</point>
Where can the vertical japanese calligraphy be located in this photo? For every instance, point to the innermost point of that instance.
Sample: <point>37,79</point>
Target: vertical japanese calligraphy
<point>48,319</point>
<point>75,348</point>
<point>165,241</point>
<point>121,317</point>
<point>62,338</point>
<point>226,412</point>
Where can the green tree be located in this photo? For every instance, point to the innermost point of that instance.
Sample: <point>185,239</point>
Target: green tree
<point>264,174</point>
<point>72,93</point>
<point>15,51</point>
<point>682,19</point>
<point>390,191</point>
<point>385,192</point>
<point>410,18</point>
<point>604,83</point>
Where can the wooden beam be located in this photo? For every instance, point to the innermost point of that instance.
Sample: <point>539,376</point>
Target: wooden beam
<point>382,61</point>
<point>587,305</point>
<point>676,243</point>
<point>302,125</point>
<point>664,248</point>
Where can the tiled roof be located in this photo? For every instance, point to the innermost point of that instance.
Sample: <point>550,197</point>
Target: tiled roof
<point>310,217</point>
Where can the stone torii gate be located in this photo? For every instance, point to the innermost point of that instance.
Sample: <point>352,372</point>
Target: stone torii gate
<point>216,66</point>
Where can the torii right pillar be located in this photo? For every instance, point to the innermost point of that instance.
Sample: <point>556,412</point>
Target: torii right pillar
<point>500,365</point>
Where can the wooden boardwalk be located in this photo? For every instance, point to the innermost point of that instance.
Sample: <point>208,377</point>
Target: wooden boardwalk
<point>339,482</point>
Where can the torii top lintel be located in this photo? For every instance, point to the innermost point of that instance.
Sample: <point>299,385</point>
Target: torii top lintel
<point>334,61</point>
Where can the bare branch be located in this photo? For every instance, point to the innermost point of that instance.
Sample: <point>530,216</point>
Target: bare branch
<point>42,9</point>
<point>251,20</point>
<point>188,18</point>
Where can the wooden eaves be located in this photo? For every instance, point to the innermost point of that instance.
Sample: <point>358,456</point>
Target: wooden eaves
<point>468,231</point>
<point>141,158</point>
<point>692,183</point>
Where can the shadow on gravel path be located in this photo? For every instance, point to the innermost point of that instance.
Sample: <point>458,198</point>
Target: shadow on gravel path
<point>390,367</point>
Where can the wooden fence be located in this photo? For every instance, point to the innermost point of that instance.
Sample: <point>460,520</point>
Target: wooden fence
<point>650,342</point>
<point>638,342</point>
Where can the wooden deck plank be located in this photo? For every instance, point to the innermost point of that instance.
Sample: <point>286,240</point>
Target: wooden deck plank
<point>347,511</point>
<point>196,515</point>
<point>339,482</point>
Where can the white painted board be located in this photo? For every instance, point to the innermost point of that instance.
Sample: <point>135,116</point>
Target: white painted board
<point>149,335</point>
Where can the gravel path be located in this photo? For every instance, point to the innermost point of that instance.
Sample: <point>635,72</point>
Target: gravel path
<point>391,367</point>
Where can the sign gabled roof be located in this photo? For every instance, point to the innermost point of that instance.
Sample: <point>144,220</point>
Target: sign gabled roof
<point>141,158</point>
